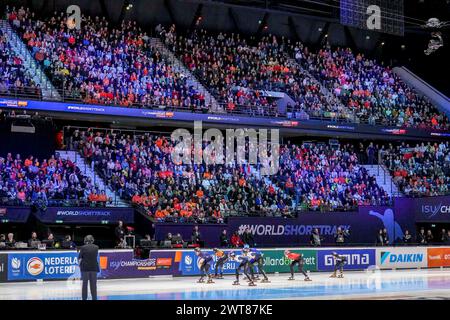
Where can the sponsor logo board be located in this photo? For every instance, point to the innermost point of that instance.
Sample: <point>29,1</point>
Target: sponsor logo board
<point>275,261</point>
<point>357,259</point>
<point>413,257</point>
<point>32,266</point>
<point>438,257</point>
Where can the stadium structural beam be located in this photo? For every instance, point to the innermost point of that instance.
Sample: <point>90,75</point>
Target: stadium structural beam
<point>349,37</point>
<point>262,25</point>
<point>104,9</point>
<point>233,19</point>
<point>122,11</point>
<point>377,50</point>
<point>44,5</point>
<point>323,33</point>
<point>168,7</point>
<point>198,14</point>
<point>30,4</point>
<point>293,29</point>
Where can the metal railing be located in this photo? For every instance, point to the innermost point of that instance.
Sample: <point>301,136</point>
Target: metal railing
<point>32,93</point>
<point>53,202</point>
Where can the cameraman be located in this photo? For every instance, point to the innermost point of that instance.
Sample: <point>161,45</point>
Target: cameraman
<point>341,236</point>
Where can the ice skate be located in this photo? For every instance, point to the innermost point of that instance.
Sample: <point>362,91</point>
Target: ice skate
<point>340,276</point>
<point>333,275</point>
<point>291,278</point>
<point>201,280</point>
<point>236,283</point>
<point>210,280</point>
<point>265,281</point>
<point>252,284</point>
<point>307,279</point>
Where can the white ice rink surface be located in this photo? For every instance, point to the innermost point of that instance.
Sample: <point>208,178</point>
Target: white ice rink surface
<point>405,284</point>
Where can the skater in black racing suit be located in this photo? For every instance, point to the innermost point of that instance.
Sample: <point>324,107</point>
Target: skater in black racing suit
<point>244,265</point>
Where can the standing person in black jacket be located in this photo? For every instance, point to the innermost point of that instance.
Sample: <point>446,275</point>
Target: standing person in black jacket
<point>447,239</point>
<point>248,239</point>
<point>196,236</point>
<point>443,236</point>
<point>120,233</point>
<point>340,236</point>
<point>380,240</point>
<point>88,260</point>
<point>421,237</point>
<point>224,243</point>
<point>385,237</point>
<point>407,238</point>
<point>316,239</point>
<point>429,237</point>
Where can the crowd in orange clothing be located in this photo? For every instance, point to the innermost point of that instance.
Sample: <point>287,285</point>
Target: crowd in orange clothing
<point>140,168</point>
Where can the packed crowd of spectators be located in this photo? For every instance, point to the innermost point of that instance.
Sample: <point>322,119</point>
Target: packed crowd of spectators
<point>101,64</point>
<point>311,177</point>
<point>50,182</point>
<point>420,170</point>
<point>372,91</point>
<point>226,63</point>
<point>14,80</point>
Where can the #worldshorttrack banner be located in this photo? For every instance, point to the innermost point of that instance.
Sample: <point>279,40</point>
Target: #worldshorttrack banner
<point>14,214</point>
<point>362,226</point>
<point>85,215</point>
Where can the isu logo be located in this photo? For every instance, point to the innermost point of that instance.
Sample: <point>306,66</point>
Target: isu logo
<point>35,266</point>
<point>15,263</point>
<point>188,260</point>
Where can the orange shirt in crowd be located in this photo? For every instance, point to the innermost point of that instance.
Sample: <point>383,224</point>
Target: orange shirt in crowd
<point>136,199</point>
<point>102,198</point>
<point>207,175</point>
<point>160,214</point>
<point>93,197</point>
<point>200,193</point>
<point>185,213</point>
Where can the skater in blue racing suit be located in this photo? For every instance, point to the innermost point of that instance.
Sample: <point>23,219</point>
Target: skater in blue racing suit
<point>205,260</point>
<point>244,265</point>
<point>256,260</point>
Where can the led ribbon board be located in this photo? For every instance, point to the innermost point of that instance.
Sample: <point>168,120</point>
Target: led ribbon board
<point>376,15</point>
